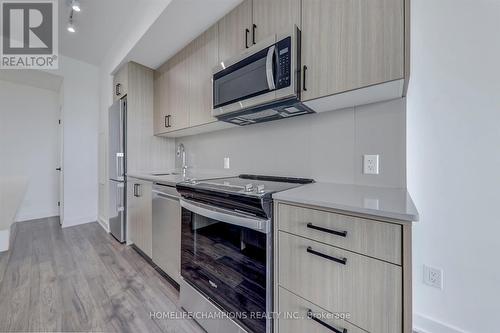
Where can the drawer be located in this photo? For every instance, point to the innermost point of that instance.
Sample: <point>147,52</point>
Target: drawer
<point>296,317</point>
<point>372,238</point>
<point>369,290</point>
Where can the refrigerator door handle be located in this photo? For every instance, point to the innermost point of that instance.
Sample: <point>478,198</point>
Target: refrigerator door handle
<point>120,201</point>
<point>119,166</point>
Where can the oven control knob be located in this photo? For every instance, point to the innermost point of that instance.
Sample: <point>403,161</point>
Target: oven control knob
<point>260,189</point>
<point>248,187</point>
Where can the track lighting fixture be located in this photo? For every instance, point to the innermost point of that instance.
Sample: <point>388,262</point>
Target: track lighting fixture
<point>75,5</point>
<point>71,25</point>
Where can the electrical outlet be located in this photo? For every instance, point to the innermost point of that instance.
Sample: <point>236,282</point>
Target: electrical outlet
<point>433,277</point>
<point>226,163</point>
<point>370,164</point>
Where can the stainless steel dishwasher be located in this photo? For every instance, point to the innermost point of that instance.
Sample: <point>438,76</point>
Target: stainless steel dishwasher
<point>167,230</point>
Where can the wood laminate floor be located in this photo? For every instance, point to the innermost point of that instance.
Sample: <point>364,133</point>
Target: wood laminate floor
<point>81,279</point>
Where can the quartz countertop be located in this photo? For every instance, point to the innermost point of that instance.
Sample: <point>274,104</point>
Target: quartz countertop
<point>171,178</point>
<point>369,200</point>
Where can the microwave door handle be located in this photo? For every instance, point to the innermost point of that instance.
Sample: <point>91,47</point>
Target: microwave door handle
<point>269,68</point>
<point>224,215</point>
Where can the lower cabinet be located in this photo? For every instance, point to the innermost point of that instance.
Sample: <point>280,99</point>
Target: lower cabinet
<point>299,316</point>
<point>336,273</point>
<point>167,232</point>
<point>139,215</point>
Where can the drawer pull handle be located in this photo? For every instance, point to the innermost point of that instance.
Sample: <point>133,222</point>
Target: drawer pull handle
<point>342,261</point>
<point>330,231</point>
<point>311,315</point>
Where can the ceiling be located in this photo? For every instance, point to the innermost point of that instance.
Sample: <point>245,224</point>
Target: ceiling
<point>102,23</point>
<point>181,22</point>
<point>98,23</point>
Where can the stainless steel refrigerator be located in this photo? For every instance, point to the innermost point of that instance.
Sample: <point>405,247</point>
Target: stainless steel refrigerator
<point>117,158</point>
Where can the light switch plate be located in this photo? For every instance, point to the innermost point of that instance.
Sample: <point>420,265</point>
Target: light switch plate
<point>226,163</point>
<point>371,164</point>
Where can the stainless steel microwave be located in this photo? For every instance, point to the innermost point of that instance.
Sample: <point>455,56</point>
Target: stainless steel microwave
<point>262,84</point>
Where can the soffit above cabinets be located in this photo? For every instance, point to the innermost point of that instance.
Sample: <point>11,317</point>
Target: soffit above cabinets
<point>180,23</point>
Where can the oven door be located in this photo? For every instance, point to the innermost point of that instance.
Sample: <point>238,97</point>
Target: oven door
<point>227,257</point>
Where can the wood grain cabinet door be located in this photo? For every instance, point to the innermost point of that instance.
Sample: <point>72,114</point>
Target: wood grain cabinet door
<point>120,83</point>
<point>139,214</point>
<point>340,281</point>
<point>177,93</point>
<point>235,31</point>
<point>160,110</point>
<point>351,44</point>
<point>202,57</point>
<point>274,16</point>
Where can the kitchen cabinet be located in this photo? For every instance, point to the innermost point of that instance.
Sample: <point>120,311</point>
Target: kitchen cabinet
<point>274,16</point>
<point>120,83</point>
<point>183,86</point>
<point>139,214</point>
<point>172,87</point>
<point>202,55</point>
<point>253,21</point>
<point>351,44</point>
<point>355,265</point>
<point>167,231</point>
<point>235,31</point>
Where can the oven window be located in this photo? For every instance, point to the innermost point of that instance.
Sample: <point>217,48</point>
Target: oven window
<point>226,263</point>
<point>242,80</point>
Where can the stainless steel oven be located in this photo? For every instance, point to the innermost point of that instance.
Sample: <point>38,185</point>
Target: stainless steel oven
<point>226,250</point>
<point>261,84</point>
<point>226,257</point>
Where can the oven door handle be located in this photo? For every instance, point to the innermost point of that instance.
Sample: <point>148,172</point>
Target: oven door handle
<point>269,68</point>
<point>227,216</point>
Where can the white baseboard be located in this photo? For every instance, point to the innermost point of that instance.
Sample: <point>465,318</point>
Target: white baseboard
<point>71,222</point>
<point>103,223</point>
<point>4,239</point>
<point>424,324</point>
<point>35,216</point>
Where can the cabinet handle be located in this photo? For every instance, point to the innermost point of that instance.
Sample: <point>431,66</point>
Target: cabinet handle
<point>311,316</point>
<point>330,231</point>
<point>254,29</point>
<point>304,78</point>
<point>167,121</point>
<point>342,261</point>
<point>246,38</point>
<point>136,190</point>
<point>117,89</point>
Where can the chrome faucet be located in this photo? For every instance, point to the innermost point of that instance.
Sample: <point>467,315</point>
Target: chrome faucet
<point>181,153</point>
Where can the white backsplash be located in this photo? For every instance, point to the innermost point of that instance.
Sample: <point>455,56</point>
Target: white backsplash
<point>327,147</point>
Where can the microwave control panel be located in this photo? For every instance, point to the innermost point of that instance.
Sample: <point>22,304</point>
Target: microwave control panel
<point>284,48</point>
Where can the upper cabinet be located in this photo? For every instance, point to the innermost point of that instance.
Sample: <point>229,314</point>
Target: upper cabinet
<point>353,52</point>
<point>350,44</point>
<point>272,16</point>
<point>253,21</point>
<point>203,55</point>
<point>235,31</point>
<point>120,83</point>
<point>183,86</point>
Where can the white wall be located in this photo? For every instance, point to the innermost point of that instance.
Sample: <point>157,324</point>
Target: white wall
<point>29,146</point>
<point>453,162</point>
<point>327,147</point>
<point>80,94</point>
